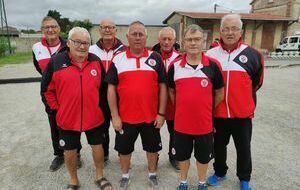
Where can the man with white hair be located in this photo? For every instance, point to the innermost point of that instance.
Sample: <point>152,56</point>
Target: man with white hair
<point>106,48</point>
<point>137,96</point>
<point>73,87</point>
<point>50,45</point>
<point>166,38</point>
<point>242,69</point>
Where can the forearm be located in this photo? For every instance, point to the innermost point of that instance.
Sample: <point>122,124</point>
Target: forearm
<point>163,96</point>
<point>112,100</point>
<point>219,96</point>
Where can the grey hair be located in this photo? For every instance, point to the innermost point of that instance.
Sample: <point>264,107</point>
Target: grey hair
<point>79,30</point>
<point>168,28</point>
<point>136,22</point>
<point>193,28</point>
<point>232,17</point>
<point>48,18</point>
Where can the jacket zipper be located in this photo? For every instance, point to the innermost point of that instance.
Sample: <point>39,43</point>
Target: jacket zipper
<point>227,87</point>
<point>81,113</point>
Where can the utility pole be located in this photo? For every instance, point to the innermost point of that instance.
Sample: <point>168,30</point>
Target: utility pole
<point>4,22</point>
<point>217,5</point>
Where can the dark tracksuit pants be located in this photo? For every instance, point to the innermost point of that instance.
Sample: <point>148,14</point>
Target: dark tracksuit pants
<point>55,136</point>
<point>170,124</point>
<point>107,139</point>
<point>241,132</point>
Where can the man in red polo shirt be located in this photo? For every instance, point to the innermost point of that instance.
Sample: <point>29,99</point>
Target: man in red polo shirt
<point>137,96</point>
<point>196,87</point>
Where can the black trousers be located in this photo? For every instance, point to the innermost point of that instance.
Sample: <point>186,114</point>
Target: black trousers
<point>55,136</point>
<point>105,144</point>
<point>241,132</point>
<point>170,124</point>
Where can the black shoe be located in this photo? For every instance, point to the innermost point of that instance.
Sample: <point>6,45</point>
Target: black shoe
<point>174,164</point>
<point>56,163</point>
<point>79,162</point>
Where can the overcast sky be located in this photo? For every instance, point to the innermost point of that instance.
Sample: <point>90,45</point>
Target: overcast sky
<point>28,13</point>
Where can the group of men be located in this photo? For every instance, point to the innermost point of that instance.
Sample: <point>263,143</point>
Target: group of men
<point>204,98</point>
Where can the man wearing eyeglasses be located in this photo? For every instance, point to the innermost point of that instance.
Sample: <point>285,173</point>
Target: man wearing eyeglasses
<point>242,69</point>
<point>196,88</point>
<point>73,86</point>
<point>137,97</point>
<point>107,47</point>
<point>50,45</point>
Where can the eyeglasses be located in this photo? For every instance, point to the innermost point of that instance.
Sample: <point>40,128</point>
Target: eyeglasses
<point>137,34</point>
<point>232,29</point>
<point>50,27</point>
<point>79,43</point>
<point>107,27</point>
<point>196,40</point>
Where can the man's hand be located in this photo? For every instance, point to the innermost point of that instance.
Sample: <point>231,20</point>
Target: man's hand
<point>117,122</point>
<point>159,121</point>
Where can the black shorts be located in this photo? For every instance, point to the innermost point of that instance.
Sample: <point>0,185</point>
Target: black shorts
<point>184,144</point>
<point>149,134</point>
<point>70,140</point>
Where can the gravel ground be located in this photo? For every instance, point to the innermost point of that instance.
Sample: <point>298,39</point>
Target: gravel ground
<point>25,146</point>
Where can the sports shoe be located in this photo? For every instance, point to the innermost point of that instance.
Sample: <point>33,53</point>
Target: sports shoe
<point>79,162</point>
<point>215,180</point>
<point>174,164</point>
<point>182,186</point>
<point>244,185</point>
<point>202,187</point>
<point>153,181</point>
<point>124,183</point>
<point>56,163</point>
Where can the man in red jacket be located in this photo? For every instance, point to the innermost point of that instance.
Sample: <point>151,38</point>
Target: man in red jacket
<point>242,69</point>
<point>73,89</point>
<point>50,45</point>
<point>106,48</point>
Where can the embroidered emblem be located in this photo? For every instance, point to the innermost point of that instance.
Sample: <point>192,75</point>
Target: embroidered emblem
<point>94,72</point>
<point>243,58</point>
<point>204,83</point>
<point>152,62</point>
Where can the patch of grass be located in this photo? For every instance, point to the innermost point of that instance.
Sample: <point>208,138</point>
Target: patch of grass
<point>16,58</point>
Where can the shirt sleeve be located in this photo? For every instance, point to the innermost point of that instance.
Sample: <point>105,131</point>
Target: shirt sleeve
<point>170,81</point>
<point>162,76</point>
<point>112,75</point>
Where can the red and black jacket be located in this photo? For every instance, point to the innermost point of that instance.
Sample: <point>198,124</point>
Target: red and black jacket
<point>75,94</point>
<point>243,71</point>
<point>41,53</point>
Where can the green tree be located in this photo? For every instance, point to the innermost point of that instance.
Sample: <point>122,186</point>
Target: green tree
<point>85,24</point>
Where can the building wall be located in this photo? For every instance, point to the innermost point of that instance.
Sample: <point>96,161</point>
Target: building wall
<point>152,32</point>
<point>23,44</point>
<point>279,7</point>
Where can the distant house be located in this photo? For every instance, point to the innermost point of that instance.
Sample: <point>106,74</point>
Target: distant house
<point>263,31</point>
<point>286,8</point>
<point>13,32</point>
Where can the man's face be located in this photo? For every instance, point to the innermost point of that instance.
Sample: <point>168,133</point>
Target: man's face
<point>79,45</point>
<point>51,30</point>
<point>137,37</point>
<point>107,30</point>
<point>231,32</point>
<point>193,42</point>
<point>166,40</point>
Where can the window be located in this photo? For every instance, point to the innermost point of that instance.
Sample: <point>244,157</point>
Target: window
<point>293,40</point>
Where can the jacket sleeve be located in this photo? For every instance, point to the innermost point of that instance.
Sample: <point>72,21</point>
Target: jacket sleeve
<point>259,75</point>
<point>36,63</point>
<point>48,89</point>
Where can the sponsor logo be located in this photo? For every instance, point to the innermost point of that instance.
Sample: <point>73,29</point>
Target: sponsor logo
<point>243,58</point>
<point>64,65</point>
<point>204,83</point>
<point>62,142</point>
<point>152,62</point>
<point>173,151</point>
<point>93,72</point>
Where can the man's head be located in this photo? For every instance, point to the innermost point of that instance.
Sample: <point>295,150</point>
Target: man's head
<point>136,35</point>
<point>166,38</point>
<point>193,39</point>
<point>107,29</point>
<point>231,29</point>
<point>50,28</point>
<point>79,41</point>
